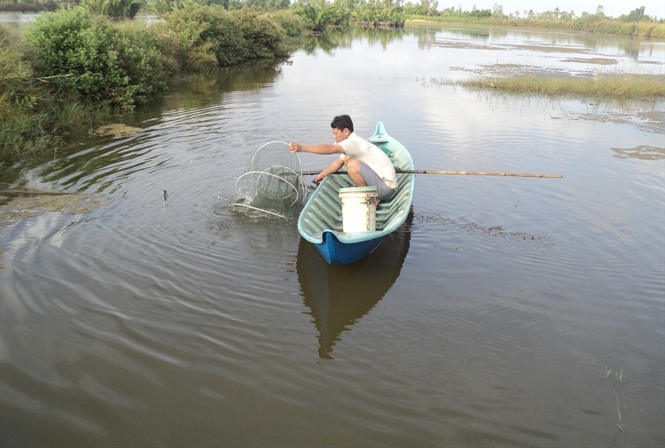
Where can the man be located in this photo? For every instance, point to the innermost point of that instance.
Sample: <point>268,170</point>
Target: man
<point>366,164</point>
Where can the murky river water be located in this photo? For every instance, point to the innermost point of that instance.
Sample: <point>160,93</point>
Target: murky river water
<point>509,311</point>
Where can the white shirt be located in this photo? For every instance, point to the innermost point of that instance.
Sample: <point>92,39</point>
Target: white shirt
<point>371,155</point>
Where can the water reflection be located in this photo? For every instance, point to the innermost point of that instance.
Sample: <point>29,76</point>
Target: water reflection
<point>339,295</point>
<point>204,90</point>
<point>343,38</point>
<point>320,42</point>
<point>478,37</point>
<point>196,104</point>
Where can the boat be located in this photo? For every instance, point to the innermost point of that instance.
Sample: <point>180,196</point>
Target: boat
<point>320,221</point>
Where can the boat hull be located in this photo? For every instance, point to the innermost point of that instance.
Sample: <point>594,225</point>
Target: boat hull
<point>336,252</point>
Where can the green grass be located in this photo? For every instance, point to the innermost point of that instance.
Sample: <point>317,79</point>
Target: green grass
<point>587,24</point>
<point>34,119</point>
<point>608,87</point>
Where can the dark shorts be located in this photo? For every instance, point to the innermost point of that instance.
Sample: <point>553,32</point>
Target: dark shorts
<point>371,178</point>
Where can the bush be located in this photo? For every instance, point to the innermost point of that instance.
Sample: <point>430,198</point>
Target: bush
<point>292,24</point>
<point>86,56</point>
<point>33,117</point>
<point>319,15</point>
<point>18,97</point>
<point>211,36</point>
<point>262,34</point>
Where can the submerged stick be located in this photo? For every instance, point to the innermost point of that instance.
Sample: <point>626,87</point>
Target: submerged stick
<point>30,192</point>
<point>465,173</point>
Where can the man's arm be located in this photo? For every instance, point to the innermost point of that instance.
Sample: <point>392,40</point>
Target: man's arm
<point>332,168</point>
<point>315,149</point>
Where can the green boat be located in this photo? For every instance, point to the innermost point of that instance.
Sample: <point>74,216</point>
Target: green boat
<point>320,221</point>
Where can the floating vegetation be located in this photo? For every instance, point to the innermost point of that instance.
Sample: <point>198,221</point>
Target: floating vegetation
<point>551,48</point>
<point>117,130</point>
<point>30,192</point>
<point>648,121</point>
<point>432,219</point>
<point>509,70</point>
<point>25,207</point>
<point>642,152</point>
<point>628,86</point>
<point>597,61</point>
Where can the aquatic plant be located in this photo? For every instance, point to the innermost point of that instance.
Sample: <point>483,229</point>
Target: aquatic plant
<point>618,377</point>
<point>607,372</point>
<point>615,86</point>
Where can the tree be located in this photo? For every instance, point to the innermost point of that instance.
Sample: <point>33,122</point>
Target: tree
<point>636,14</point>
<point>430,6</point>
<point>116,9</point>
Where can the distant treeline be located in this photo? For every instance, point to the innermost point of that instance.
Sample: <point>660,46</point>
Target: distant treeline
<point>322,14</point>
<point>633,23</point>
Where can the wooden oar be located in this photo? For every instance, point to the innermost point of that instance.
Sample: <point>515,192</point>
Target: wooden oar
<point>465,173</point>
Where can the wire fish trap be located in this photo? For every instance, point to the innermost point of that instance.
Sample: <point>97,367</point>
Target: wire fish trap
<point>273,182</point>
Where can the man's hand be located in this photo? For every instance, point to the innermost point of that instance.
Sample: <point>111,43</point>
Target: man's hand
<point>294,147</point>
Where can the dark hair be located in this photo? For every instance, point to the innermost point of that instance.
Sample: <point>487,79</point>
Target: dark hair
<point>342,122</point>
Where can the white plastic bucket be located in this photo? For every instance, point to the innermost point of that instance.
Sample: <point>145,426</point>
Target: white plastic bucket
<point>358,209</point>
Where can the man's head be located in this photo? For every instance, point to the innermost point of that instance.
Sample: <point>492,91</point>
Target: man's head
<point>342,127</point>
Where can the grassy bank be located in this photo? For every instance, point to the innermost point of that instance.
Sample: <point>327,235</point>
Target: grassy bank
<point>603,26</point>
<point>615,87</point>
<point>34,118</point>
<point>73,69</point>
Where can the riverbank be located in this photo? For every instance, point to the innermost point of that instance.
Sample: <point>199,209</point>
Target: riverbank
<point>73,69</point>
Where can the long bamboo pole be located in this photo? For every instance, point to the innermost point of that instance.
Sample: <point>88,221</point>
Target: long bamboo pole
<point>464,173</point>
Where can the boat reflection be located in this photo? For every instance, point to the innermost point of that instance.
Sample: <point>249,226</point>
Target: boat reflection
<point>338,295</point>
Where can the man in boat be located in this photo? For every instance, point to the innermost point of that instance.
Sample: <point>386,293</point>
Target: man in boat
<point>366,164</point>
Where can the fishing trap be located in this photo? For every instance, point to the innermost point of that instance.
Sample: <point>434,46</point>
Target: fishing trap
<point>273,181</point>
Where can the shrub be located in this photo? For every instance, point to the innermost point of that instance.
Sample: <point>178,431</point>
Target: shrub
<point>292,24</point>
<point>18,97</point>
<point>208,35</point>
<point>211,36</point>
<point>262,34</point>
<point>85,55</point>
<point>33,117</point>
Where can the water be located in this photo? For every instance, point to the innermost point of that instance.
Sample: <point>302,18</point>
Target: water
<point>491,318</point>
